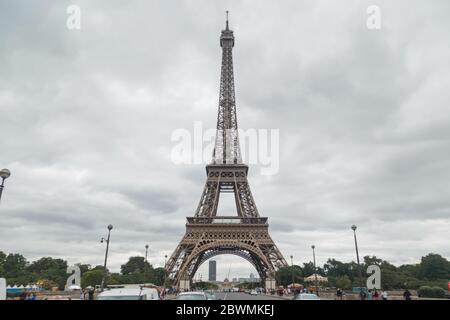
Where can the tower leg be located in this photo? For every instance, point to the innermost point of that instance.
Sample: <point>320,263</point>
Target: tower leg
<point>185,284</point>
<point>270,284</point>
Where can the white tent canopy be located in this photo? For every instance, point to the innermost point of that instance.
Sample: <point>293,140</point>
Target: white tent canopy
<point>74,287</point>
<point>312,278</point>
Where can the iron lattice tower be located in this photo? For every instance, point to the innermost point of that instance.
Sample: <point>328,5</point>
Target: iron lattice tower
<point>207,235</point>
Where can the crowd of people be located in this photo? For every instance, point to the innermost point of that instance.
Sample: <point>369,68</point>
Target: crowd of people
<point>28,296</point>
<point>341,295</point>
<point>87,294</point>
<point>374,294</point>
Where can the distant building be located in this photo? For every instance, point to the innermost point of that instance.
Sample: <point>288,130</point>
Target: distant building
<point>252,278</point>
<point>212,270</point>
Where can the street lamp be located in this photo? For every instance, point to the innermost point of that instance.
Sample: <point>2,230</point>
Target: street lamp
<point>106,255</point>
<point>357,255</point>
<point>4,174</point>
<point>292,270</point>
<point>165,271</point>
<point>146,250</point>
<point>145,263</point>
<point>315,269</point>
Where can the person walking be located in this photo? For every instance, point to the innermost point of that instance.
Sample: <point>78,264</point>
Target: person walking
<point>369,295</point>
<point>91,294</point>
<point>376,295</point>
<point>384,295</point>
<point>362,295</point>
<point>407,295</point>
<point>339,294</point>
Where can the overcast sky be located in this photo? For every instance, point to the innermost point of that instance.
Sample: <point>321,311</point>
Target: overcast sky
<point>87,116</point>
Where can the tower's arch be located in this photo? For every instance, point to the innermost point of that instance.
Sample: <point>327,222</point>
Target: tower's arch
<point>245,251</point>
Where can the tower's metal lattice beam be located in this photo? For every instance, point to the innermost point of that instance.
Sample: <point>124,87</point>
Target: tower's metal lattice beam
<point>207,234</point>
<point>227,148</point>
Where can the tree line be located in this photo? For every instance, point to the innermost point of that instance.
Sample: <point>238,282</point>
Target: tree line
<point>49,272</point>
<point>433,270</point>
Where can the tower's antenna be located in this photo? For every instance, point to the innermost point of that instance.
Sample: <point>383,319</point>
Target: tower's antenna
<point>227,20</point>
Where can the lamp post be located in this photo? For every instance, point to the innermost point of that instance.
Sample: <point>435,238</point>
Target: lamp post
<point>357,256</point>
<point>106,255</point>
<point>4,174</point>
<point>292,270</point>
<point>315,269</point>
<point>165,271</point>
<point>145,263</point>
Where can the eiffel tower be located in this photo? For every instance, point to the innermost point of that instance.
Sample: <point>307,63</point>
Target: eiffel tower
<point>207,235</point>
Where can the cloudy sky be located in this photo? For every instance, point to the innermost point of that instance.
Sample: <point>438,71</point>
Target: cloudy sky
<point>87,117</point>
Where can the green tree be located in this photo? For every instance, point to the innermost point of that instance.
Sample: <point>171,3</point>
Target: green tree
<point>135,265</point>
<point>308,269</point>
<point>343,282</point>
<point>284,275</point>
<point>2,261</point>
<point>14,265</point>
<point>204,285</point>
<point>158,276</point>
<point>434,266</point>
<point>133,278</point>
<point>372,260</point>
<point>97,267</point>
<point>431,292</point>
<point>51,269</point>
<point>114,278</point>
<point>335,268</point>
<point>92,278</point>
<point>410,270</point>
<point>392,279</point>
<point>249,285</point>
<point>84,267</point>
